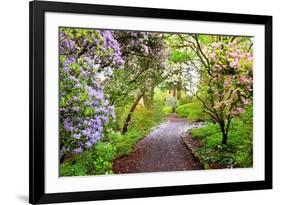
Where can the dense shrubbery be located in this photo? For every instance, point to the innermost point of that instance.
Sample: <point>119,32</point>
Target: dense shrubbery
<point>238,151</point>
<point>193,111</point>
<point>94,161</point>
<point>185,100</point>
<point>167,110</point>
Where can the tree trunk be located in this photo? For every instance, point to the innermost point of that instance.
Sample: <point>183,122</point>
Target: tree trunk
<point>128,119</point>
<point>179,90</point>
<point>224,132</point>
<point>174,95</point>
<point>174,91</point>
<point>224,138</point>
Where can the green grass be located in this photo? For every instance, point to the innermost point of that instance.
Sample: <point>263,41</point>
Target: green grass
<point>238,150</point>
<point>193,111</point>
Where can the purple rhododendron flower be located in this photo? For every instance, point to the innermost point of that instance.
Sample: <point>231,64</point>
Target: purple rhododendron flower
<point>77,136</point>
<point>68,126</point>
<point>78,150</point>
<point>88,144</point>
<point>70,44</point>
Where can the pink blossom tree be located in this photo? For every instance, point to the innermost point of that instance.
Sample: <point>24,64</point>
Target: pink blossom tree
<point>226,81</point>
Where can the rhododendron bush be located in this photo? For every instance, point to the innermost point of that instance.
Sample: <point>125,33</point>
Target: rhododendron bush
<point>87,61</point>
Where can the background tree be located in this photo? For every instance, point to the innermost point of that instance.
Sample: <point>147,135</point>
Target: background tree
<point>181,74</point>
<point>144,54</point>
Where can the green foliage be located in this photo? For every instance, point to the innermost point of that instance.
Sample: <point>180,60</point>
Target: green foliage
<point>67,169</point>
<point>143,119</point>
<point>167,110</point>
<point>124,143</point>
<point>185,100</point>
<point>210,130</point>
<point>193,111</point>
<point>178,56</point>
<point>121,114</point>
<point>238,151</point>
<point>95,161</point>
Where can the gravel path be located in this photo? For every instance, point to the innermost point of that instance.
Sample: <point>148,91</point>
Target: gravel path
<point>161,150</point>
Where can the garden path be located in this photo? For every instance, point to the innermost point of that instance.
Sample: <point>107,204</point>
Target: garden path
<point>161,150</point>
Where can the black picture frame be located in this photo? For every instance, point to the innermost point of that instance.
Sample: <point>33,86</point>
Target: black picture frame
<point>37,9</point>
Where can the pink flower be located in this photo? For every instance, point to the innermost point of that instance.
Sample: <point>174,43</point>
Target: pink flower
<point>243,80</point>
<point>234,63</point>
<point>249,88</point>
<point>249,58</point>
<point>248,54</point>
<point>240,110</point>
<point>233,54</point>
<point>218,105</point>
<point>242,55</point>
<point>213,55</point>
<point>216,45</point>
<point>245,101</point>
<point>226,83</point>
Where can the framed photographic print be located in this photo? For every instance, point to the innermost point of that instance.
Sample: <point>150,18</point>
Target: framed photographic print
<point>140,102</point>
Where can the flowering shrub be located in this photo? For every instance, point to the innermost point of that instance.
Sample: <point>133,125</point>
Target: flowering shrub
<point>231,82</point>
<point>228,82</point>
<point>87,61</point>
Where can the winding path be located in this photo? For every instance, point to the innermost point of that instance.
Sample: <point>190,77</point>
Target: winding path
<point>161,150</point>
